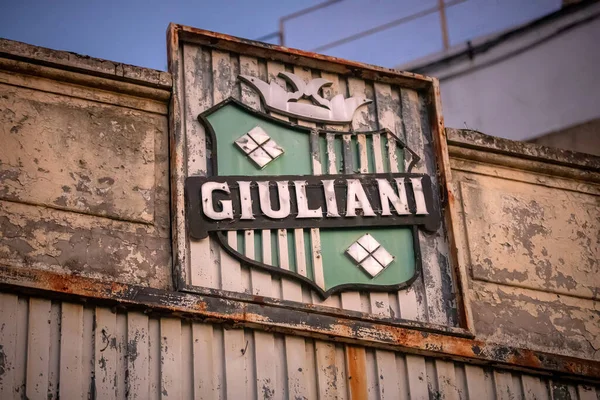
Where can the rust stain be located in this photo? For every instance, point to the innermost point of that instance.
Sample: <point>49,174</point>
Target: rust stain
<point>200,306</point>
<point>525,357</point>
<point>356,364</point>
<point>118,288</point>
<point>341,329</point>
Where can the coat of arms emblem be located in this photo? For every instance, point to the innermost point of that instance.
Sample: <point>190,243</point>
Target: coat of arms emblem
<point>262,175</point>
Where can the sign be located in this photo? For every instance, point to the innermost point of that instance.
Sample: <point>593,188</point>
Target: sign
<point>260,177</point>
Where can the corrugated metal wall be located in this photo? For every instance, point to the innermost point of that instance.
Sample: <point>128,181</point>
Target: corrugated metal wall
<point>51,349</point>
<point>207,77</point>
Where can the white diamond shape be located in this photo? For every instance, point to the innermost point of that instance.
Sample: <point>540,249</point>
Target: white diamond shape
<point>357,252</point>
<point>259,147</point>
<point>383,256</point>
<point>246,144</point>
<point>370,255</point>
<point>273,149</point>
<point>372,267</point>
<point>259,135</point>
<point>260,157</point>
<point>368,242</point>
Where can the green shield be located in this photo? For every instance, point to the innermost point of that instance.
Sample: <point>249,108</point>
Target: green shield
<point>230,121</point>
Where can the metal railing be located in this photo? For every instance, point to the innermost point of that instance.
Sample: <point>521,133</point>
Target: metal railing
<point>441,8</point>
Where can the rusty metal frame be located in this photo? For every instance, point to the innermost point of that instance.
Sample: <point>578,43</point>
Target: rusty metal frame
<point>277,316</point>
<point>427,86</point>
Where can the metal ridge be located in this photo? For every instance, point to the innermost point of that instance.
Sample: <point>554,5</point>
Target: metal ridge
<point>263,316</point>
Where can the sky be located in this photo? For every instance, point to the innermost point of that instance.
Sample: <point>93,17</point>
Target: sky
<point>134,31</point>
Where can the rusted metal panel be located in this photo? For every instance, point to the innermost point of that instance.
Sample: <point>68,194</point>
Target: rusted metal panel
<point>190,360</point>
<point>278,318</point>
<point>268,337</point>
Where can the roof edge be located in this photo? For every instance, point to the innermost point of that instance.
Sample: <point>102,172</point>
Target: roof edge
<point>74,62</point>
<point>479,141</point>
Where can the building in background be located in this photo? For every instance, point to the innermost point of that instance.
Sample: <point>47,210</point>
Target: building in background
<point>529,75</point>
<point>538,82</point>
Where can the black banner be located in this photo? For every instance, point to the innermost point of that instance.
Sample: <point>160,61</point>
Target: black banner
<point>414,199</point>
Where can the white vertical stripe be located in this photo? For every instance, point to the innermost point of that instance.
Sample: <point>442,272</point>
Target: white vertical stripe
<point>387,374</point>
<point>154,358</point>
<point>170,359</point>
<point>417,377</point>
<point>106,353</point>
<point>54,353</point>
<point>38,345</point>
<point>204,371</point>
<point>260,280</point>
<point>8,340</point>
<point>236,354</point>
<point>436,309</point>
<point>586,392</point>
<point>137,352</point>
<point>186,360</point>
<point>71,350</point>
<point>505,387</point>
<point>317,262</point>
<point>534,388</point>
<point>446,379</point>
<point>479,383</point>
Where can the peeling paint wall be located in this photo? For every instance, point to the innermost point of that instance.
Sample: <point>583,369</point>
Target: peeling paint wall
<point>530,239</point>
<point>84,169</point>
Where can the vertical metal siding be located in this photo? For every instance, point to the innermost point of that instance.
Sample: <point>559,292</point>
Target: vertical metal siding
<point>50,349</point>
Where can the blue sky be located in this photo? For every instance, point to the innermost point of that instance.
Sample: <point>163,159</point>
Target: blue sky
<point>134,32</point>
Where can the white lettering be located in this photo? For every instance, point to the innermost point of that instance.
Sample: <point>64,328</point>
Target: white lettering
<point>303,210</point>
<point>387,196</point>
<point>357,198</point>
<point>419,196</point>
<point>245,200</point>
<point>330,200</point>
<point>207,201</point>
<point>265,200</point>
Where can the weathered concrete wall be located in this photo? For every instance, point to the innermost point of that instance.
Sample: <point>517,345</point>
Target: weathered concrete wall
<point>84,166</point>
<point>530,239</point>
